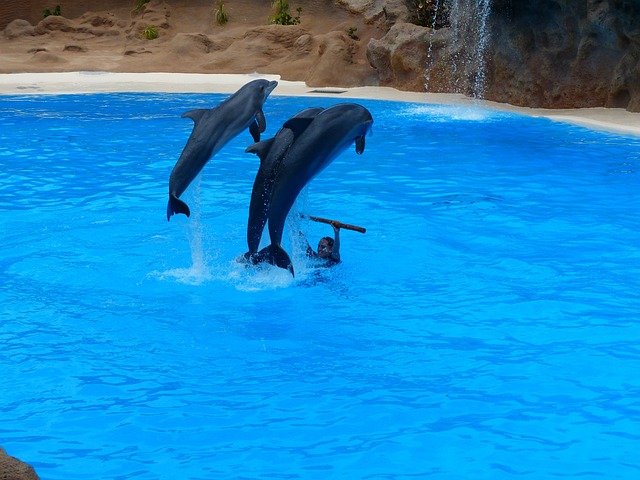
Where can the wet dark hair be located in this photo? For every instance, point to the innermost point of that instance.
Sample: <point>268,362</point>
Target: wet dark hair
<point>329,241</point>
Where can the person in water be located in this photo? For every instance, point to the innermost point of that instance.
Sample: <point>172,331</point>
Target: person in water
<point>328,248</point>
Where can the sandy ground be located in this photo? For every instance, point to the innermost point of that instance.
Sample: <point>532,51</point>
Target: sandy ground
<point>615,120</point>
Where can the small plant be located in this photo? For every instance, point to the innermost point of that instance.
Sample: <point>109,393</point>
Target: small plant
<point>139,5</point>
<point>281,15</point>
<point>222,16</point>
<point>433,13</point>
<point>56,12</point>
<point>150,32</point>
<point>352,33</point>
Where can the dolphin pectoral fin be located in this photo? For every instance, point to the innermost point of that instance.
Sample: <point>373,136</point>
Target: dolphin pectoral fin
<point>254,130</point>
<point>195,115</point>
<point>258,126</point>
<point>359,145</point>
<point>176,205</point>
<point>260,148</point>
<point>275,255</point>
<point>261,121</point>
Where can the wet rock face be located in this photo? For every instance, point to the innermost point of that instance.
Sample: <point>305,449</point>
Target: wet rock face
<point>565,53</point>
<point>548,53</point>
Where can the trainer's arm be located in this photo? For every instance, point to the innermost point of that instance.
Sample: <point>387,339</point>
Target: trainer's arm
<point>335,253</point>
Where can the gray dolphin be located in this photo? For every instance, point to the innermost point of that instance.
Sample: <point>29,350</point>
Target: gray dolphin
<point>327,136</point>
<point>212,130</point>
<point>271,153</point>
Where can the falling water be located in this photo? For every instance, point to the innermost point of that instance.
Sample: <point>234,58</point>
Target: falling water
<point>427,72</point>
<point>465,55</point>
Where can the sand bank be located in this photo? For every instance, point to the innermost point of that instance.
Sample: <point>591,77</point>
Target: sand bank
<point>609,119</point>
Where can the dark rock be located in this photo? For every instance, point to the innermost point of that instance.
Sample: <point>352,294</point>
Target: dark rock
<point>565,53</point>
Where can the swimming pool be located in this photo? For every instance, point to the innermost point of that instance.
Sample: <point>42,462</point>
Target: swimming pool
<point>485,326</point>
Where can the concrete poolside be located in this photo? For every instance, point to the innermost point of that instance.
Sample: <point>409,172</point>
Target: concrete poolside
<point>609,119</point>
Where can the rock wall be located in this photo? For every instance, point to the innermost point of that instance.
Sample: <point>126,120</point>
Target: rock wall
<point>565,53</point>
<point>327,47</point>
<point>548,53</point>
<point>31,10</point>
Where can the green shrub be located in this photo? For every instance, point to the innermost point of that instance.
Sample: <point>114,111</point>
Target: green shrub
<point>281,15</point>
<point>139,5</point>
<point>56,12</point>
<point>352,33</point>
<point>222,16</point>
<point>150,32</point>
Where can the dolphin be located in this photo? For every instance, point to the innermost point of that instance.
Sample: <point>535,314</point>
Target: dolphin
<point>330,133</point>
<point>213,129</point>
<point>271,153</point>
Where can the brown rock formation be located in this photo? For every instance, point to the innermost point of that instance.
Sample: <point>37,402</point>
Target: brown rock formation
<point>13,469</point>
<point>400,57</point>
<point>327,47</point>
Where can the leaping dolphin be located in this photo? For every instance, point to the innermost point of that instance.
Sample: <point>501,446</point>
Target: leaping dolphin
<point>271,153</point>
<point>212,130</point>
<point>329,134</point>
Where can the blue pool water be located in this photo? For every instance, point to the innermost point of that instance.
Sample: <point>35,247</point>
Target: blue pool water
<point>486,326</point>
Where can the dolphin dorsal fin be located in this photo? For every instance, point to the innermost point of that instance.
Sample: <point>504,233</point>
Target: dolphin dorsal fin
<point>260,148</point>
<point>297,125</point>
<point>195,115</point>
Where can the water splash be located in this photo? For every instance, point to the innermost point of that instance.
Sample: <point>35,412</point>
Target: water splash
<point>451,113</point>
<point>200,270</point>
<point>259,278</point>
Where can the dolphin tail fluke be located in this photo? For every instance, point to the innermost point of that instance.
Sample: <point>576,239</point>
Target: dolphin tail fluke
<point>176,205</point>
<point>275,255</point>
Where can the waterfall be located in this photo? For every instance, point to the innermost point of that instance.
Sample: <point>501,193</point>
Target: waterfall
<point>438,6</point>
<point>464,55</point>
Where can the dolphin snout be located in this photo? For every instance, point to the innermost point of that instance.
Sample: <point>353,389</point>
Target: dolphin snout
<point>272,84</point>
<point>369,127</point>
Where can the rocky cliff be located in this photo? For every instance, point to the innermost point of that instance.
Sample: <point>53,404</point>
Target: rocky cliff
<point>565,53</point>
<point>548,53</point>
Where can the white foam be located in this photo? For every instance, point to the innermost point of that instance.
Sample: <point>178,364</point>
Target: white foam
<point>448,113</point>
